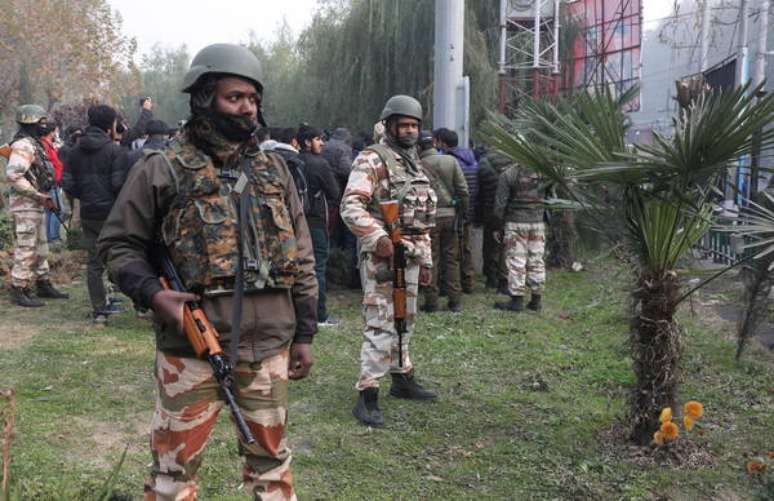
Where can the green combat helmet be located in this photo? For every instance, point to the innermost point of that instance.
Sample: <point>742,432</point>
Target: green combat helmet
<point>403,105</point>
<point>224,58</point>
<point>30,114</point>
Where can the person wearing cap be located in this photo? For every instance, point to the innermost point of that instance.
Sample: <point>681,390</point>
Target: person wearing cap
<point>386,171</point>
<point>31,176</point>
<point>157,132</point>
<point>323,190</point>
<point>252,271</point>
<point>450,186</point>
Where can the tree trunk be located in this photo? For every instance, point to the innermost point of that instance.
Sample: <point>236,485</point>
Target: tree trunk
<point>656,352</point>
<point>562,239</point>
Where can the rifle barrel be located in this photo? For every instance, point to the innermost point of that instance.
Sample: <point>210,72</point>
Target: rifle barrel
<point>247,435</point>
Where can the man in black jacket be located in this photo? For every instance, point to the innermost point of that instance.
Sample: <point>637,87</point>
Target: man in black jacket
<point>156,139</point>
<point>94,175</point>
<point>286,145</point>
<point>323,189</point>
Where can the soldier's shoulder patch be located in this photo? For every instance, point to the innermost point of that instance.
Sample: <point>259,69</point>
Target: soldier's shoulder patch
<point>23,145</point>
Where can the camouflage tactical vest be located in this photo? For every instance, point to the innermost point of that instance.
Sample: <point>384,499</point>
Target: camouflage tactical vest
<point>201,231</point>
<point>412,190</point>
<point>41,172</point>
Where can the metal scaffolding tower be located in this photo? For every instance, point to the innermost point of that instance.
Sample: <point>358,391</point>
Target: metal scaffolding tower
<point>529,50</point>
<point>599,41</point>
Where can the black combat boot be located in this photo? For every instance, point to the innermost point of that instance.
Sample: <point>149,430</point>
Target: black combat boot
<point>535,302</point>
<point>405,386</point>
<point>367,408</point>
<point>455,306</point>
<point>25,297</point>
<point>45,289</point>
<point>516,304</point>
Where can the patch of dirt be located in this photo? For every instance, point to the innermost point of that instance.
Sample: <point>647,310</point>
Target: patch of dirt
<point>20,325</point>
<point>682,453</point>
<point>102,439</point>
<point>15,334</point>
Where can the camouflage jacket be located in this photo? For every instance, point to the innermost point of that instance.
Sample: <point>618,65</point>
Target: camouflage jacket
<point>26,192</point>
<point>518,198</point>
<point>371,181</point>
<point>273,316</point>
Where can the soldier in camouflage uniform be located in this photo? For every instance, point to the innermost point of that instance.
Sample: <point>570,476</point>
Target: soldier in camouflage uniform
<point>493,165</point>
<point>31,175</point>
<point>206,195</point>
<point>518,206</point>
<point>389,170</point>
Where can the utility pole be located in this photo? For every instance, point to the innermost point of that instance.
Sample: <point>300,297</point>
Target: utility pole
<point>450,90</point>
<point>705,35</point>
<point>743,63</point>
<point>742,78</point>
<point>758,77</point>
<point>763,32</point>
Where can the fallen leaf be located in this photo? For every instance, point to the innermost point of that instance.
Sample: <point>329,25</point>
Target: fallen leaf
<point>755,466</point>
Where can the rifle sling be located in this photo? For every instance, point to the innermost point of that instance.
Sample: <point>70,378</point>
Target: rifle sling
<point>242,207</point>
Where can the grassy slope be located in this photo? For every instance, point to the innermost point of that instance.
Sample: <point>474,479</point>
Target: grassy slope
<point>524,402</point>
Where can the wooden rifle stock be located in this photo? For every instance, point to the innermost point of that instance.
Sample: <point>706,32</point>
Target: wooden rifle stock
<point>5,151</point>
<point>197,327</point>
<point>391,215</point>
<point>204,339</point>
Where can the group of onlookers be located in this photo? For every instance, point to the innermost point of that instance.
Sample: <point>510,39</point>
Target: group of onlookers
<point>466,184</point>
<point>90,166</point>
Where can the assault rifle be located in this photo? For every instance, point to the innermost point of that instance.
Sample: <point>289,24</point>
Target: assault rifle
<point>204,339</point>
<point>57,212</point>
<point>391,215</point>
<point>5,151</point>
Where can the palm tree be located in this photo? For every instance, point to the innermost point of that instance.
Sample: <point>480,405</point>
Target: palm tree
<point>663,192</point>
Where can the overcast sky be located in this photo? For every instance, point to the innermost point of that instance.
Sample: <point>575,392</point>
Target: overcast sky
<point>198,23</point>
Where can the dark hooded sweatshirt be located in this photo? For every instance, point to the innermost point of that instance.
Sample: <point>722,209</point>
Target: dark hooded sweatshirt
<point>94,174</point>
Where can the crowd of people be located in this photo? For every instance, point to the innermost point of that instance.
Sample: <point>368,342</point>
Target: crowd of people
<point>248,216</point>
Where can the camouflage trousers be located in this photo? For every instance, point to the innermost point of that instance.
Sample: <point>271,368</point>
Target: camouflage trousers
<point>379,352</point>
<point>30,257</point>
<point>524,249</point>
<point>187,408</point>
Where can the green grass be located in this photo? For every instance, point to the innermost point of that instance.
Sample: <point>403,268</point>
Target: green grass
<point>527,406</point>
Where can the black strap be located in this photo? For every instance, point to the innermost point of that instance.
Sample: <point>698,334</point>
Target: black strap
<point>242,208</point>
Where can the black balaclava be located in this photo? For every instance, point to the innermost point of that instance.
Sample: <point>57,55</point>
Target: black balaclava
<point>205,120</point>
<point>35,131</point>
